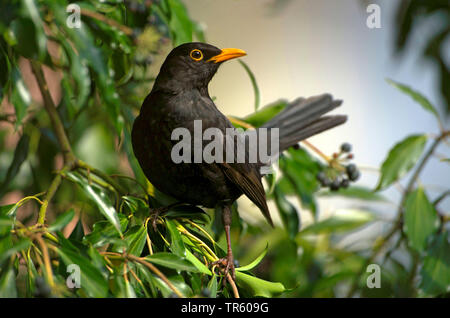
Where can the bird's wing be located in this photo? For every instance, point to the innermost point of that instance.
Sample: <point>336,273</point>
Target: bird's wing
<point>248,180</point>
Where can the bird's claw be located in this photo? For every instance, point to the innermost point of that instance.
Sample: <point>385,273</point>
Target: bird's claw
<point>227,266</point>
<point>155,213</point>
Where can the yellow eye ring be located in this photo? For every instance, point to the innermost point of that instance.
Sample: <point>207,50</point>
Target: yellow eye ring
<point>196,55</point>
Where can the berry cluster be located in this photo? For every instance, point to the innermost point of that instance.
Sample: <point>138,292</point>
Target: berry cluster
<point>338,174</point>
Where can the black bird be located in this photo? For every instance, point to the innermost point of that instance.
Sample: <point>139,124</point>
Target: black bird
<point>180,96</point>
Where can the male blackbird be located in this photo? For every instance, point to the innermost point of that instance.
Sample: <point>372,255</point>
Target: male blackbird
<point>180,96</point>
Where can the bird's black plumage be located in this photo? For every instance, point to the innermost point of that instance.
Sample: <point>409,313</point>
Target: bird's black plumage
<point>180,96</point>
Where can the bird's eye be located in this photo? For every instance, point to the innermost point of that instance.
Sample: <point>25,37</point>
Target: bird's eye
<point>196,55</point>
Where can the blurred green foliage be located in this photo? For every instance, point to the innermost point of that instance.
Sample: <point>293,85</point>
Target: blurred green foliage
<point>87,202</point>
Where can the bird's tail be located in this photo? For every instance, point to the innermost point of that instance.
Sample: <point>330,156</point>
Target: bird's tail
<point>304,118</point>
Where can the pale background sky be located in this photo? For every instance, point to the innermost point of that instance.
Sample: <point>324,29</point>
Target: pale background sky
<point>305,48</point>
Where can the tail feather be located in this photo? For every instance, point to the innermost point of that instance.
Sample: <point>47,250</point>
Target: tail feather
<point>303,119</point>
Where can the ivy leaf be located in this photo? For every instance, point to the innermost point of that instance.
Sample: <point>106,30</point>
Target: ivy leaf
<point>254,263</point>
<point>199,265</point>
<point>92,280</point>
<point>266,113</point>
<point>435,272</point>
<point>401,158</point>
<point>259,287</point>
<point>100,198</point>
<point>136,238</point>
<point>418,97</point>
<point>421,219</point>
<point>177,245</point>
<point>174,14</point>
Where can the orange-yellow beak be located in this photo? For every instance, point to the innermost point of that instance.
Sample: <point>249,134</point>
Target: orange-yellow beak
<point>227,54</point>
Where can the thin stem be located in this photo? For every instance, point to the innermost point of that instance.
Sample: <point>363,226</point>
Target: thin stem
<point>399,220</point>
<point>83,165</point>
<point>47,264</point>
<point>233,286</point>
<point>58,127</point>
<point>98,16</point>
<point>157,272</point>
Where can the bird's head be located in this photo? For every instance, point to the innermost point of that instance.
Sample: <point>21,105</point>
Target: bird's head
<point>192,65</point>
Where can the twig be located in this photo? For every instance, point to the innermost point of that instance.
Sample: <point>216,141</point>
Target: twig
<point>82,165</point>
<point>98,16</point>
<point>48,197</point>
<point>233,286</point>
<point>398,222</point>
<point>48,267</point>
<point>58,127</point>
<point>156,271</point>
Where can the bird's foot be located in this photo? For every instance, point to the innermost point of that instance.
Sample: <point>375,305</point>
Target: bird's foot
<point>226,266</point>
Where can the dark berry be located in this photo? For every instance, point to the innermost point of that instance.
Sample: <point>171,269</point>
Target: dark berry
<point>42,289</point>
<point>206,293</point>
<point>354,175</point>
<point>346,147</point>
<point>335,184</point>
<point>345,183</point>
<point>350,169</point>
<point>321,176</point>
<point>323,179</point>
<point>236,263</point>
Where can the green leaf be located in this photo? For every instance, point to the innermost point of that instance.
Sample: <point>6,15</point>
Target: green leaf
<point>24,33</point>
<point>288,213</point>
<point>20,96</point>
<point>341,221</point>
<point>92,280</point>
<point>435,272</point>
<point>259,287</point>
<point>177,245</point>
<point>8,283</point>
<point>266,113</point>
<point>199,265</point>
<point>8,248</point>
<point>401,158</point>
<point>174,14</point>
<point>254,263</point>
<point>105,233</point>
<point>137,237</point>
<point>92,55</point>
<point>173,261</point>
<point>421,219</point>
<point>32,11</point>
<point>212,286</point>
<point>354,192</point>
<point>7,217</point>
<point>254,83</point>
<point>8,210</point>
<point>5,75</point>
<point>418,97</point>
<point>20,155</point>
<point>299,174</point>
<point>62,220</point>
<point>100,198</point>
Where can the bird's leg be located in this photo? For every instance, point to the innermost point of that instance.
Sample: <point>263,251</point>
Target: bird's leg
<point>155,212</point>
<point>228,262</point>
